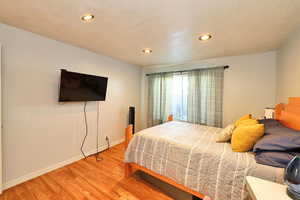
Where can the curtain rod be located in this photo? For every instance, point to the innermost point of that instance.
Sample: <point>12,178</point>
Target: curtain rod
<point>225,67</point>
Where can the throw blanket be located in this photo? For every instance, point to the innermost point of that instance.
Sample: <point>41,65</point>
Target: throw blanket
<point>188,154</point>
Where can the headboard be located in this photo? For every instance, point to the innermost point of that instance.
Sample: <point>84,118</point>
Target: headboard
<point>289,114</point>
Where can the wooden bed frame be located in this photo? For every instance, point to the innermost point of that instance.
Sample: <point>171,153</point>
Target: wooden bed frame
<point>293,106</point>
<point>130,168</point>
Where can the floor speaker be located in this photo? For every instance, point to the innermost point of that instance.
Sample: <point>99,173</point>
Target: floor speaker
<point>132,116</point>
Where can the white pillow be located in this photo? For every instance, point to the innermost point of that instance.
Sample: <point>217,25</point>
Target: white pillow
<point>225,134</point>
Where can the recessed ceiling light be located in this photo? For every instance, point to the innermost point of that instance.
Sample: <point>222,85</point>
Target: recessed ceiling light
<point>205,37</point>
<point>87,17</point>
<point>147,51</point>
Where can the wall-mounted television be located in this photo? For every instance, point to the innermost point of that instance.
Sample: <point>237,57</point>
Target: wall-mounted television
<point>81,87</point>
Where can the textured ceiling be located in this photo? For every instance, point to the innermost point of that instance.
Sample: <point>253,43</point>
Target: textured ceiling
<point>122,28</point>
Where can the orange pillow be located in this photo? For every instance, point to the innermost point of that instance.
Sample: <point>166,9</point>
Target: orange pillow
<point>290,120</point>
<point>247,122</point>
<point>248,116</point>
<point>244,137</point>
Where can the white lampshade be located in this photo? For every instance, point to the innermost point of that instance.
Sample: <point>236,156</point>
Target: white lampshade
<point>269,113</point>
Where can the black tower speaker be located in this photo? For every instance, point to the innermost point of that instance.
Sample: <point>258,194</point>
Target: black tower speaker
<point>132,116</point>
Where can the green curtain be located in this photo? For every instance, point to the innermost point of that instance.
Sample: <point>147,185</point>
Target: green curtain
<point>205,96</point>
<point>201,104</point>
<point>159,98</point>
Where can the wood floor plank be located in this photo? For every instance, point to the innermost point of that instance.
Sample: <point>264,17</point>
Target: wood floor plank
<point>24,193</point>
<point>38,189</point>
<point>87,179</point>
<point>96,180</point>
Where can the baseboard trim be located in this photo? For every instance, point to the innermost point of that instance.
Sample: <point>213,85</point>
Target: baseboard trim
<point>40,172</point>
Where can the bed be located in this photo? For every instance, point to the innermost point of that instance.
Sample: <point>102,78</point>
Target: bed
<point>186,156</point>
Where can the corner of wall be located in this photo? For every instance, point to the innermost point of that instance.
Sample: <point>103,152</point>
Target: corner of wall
<point>288,68</point>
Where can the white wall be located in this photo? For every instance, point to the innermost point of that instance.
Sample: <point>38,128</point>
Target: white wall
<point>288,69</point>
<point>39,133</point>
<point>249,84</point>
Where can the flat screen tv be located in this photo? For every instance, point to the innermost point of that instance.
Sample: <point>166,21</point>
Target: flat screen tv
<point>81,87</point>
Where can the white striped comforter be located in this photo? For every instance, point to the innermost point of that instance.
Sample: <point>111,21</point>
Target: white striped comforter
<point>188,154</point>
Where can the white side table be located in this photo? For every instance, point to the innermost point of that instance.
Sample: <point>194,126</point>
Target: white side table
<point>260,189</point>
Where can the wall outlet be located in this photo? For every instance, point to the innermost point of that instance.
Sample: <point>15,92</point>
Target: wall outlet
<point>107,141</point>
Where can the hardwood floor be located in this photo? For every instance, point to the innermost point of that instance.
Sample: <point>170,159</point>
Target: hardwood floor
<point>87,179</point>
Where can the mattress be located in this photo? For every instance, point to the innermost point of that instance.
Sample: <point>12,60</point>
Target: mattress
<point>188,154</point>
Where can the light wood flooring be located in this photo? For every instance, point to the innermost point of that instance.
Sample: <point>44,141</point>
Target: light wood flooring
<point>87,179</point>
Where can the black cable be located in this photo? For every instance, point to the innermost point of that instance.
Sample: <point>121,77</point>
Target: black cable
<point>97,153</point>
<point>97,131</point>
<point>107,140</point>
<point>86,130</point>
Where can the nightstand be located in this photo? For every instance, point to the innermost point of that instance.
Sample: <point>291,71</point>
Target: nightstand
<point>260,189</point>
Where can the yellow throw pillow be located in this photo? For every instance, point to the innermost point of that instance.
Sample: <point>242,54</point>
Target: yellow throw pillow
<point>244,137</point>
<point>246,122</point>
<point>248,116</point>
<point>225,134</point>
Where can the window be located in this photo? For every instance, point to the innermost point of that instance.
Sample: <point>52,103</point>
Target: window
<point>179,96</point>
<point>193,96</point>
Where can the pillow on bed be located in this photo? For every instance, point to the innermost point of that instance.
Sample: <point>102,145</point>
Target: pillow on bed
<point>244,137</point>
<point>269,123</point>
<point>247,122</point>
<point>275,159</point>
<point>278,138</point>
<point>277,145</point>
<point>225,134</point>
<point>290,120</point>
<point>248,116</point>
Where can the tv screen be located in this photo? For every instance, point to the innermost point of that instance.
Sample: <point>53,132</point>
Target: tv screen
<point>81,87</point>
